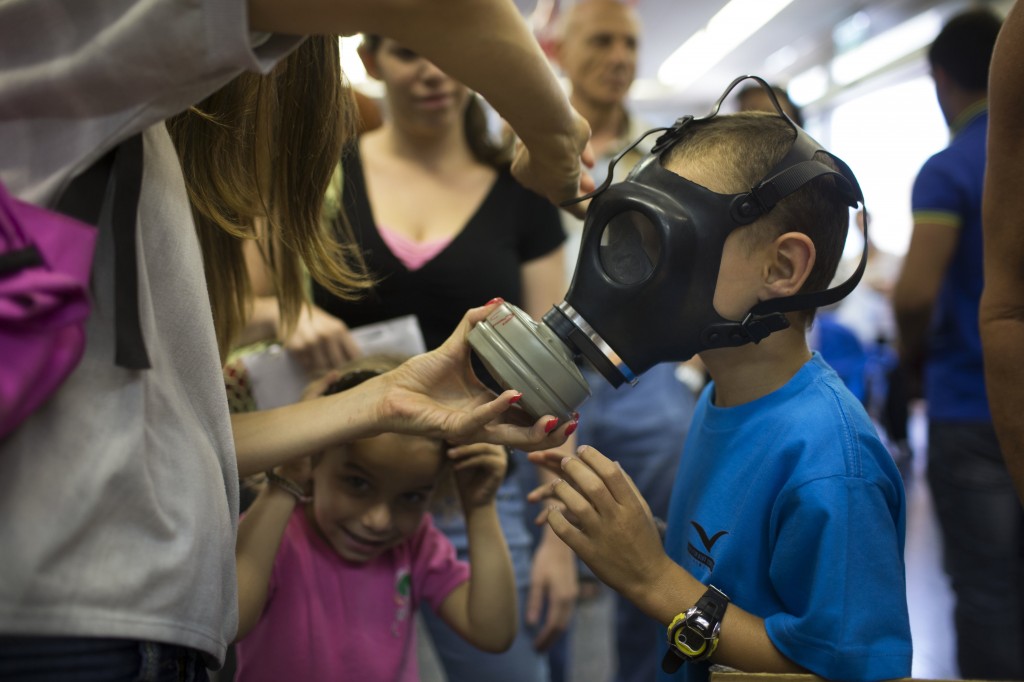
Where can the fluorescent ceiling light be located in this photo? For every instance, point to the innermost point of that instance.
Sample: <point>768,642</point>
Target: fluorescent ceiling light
<point>780,60</point>
<point>726,31</point>
<point>886,48</point>
<point>808,86</point>
<point>850,32</point>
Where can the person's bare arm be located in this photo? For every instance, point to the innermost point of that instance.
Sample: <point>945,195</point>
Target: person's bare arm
<point>483,610</point>
<point>931,249</point>
<point>1002,302</point>
<point>259,537</point>
<point>434,394</point>
<point>485,44</point>
<point>612,530</point>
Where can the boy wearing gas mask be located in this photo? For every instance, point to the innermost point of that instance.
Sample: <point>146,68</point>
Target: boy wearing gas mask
<point>784,543</point>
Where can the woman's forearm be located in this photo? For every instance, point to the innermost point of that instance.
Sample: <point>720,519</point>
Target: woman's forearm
<point>486,44</point>
<point>269,438</point>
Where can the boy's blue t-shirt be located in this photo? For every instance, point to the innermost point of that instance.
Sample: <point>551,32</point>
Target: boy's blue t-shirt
<point>792,506</point>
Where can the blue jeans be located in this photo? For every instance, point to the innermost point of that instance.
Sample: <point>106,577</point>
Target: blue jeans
<point>982,526</point>
<point>462,662</point>
<point>88,659</point>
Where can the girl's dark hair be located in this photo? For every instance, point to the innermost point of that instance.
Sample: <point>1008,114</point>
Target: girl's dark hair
<point>482,144</point>
<point>363,369</point>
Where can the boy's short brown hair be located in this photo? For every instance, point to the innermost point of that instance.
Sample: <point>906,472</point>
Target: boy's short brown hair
<point>729,154</point>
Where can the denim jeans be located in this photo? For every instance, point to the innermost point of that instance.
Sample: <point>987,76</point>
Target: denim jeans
<point>89,659</point>
<point>982,524</point>
<point>462,662</point>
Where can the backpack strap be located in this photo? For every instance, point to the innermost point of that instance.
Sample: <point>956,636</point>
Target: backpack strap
<point>83,199</point>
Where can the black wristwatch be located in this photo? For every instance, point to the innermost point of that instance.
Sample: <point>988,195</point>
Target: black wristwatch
<point>693,635</point>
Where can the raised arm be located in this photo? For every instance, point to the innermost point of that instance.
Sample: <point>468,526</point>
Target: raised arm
<point>483,43</point>
<point>483,610</point>
<point>1002,302</point>
<point>259,538</point>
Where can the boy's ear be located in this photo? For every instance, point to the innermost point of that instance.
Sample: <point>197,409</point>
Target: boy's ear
<point>790,263</point>
<point>369,59</point>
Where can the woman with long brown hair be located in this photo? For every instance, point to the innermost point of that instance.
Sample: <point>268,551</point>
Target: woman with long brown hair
<point>124,485</point>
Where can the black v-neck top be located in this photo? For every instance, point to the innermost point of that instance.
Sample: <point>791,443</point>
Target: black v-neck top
<point>512,226</point>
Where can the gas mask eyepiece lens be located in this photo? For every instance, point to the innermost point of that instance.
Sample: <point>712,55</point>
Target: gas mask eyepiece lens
<point>629,248</point>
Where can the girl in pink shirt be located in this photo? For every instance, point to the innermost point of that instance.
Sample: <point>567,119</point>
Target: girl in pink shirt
<point>329,582</point>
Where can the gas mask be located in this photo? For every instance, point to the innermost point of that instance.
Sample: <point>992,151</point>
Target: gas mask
<point>644,285</point>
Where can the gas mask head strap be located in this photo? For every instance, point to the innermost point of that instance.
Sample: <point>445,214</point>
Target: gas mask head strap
<point>797,168</point>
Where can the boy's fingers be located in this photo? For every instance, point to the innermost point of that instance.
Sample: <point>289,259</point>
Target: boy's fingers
<point>541,492</point>
<point>615,479</point>
<point>587,481</point>
<point>576,504</point>
<point>572,536</point>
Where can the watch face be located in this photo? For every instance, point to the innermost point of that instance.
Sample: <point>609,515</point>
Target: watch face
<point>691,641</point>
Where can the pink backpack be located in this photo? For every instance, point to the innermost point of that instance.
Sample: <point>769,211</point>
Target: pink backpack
<point>45,264</point>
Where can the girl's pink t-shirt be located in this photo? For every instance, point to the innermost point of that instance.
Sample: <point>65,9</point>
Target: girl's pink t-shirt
<point>328,619</point>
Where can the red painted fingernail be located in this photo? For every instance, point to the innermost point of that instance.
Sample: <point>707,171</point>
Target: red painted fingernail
<point>498,299</point>
<point>551,425</point>
<point>569,429</point>
<point>515,399</point>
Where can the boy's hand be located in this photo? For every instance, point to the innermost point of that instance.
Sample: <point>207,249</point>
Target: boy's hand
<point>612,529</point>
<point>479,471</point>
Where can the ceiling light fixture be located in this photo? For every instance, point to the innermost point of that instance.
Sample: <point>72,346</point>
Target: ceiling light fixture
<point>886,48</point>
<point>733,24</point>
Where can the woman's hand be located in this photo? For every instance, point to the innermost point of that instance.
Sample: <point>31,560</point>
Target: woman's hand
<point>320,341</point>
<point>436,394</point>
<point>554,170</point>
<point>479,471</point>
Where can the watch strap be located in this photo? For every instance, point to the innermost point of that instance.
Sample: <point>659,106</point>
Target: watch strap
<point>289,486</point>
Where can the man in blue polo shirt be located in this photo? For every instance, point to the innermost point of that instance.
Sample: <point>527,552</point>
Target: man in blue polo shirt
<point>936,302</point>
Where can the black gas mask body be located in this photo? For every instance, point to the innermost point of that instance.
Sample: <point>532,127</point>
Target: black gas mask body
<point>644,285</point>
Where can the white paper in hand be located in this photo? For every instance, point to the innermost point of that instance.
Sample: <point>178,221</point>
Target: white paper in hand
<point>278,379</point>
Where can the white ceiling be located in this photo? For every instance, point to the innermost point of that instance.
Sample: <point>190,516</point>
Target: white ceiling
<point>805,26</point>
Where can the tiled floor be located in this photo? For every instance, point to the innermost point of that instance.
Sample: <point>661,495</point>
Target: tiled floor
<point>928,596</point>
